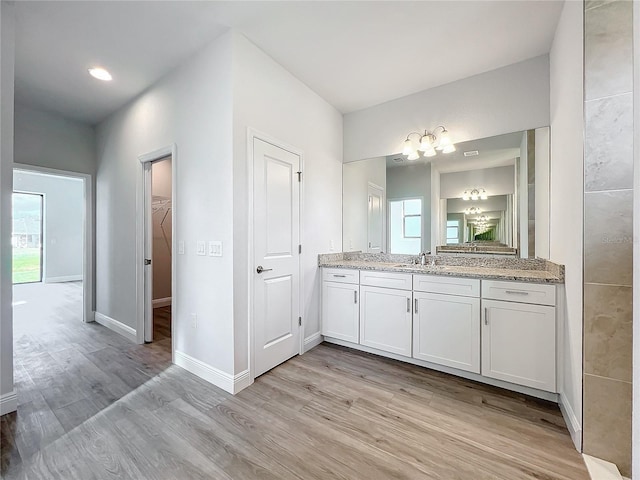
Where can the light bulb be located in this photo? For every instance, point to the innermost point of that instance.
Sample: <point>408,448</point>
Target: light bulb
<point>445,141</point>
<point>465,196</point>
<point>408,147</point>
<point>474,196</point>
<point>483,194</point>
<point>449,149</point>
<point>430,152</point>
<point>425,143</point>
<point>100,73</point>
<point>413,156</point>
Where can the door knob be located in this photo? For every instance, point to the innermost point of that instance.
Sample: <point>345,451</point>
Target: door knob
<point>260,269</point>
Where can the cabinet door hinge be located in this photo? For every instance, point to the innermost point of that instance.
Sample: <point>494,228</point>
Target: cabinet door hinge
<point>299,176</point>
<point>299,321</point>
<point>299,248</point>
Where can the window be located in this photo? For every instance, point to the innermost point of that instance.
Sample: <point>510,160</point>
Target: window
<point>26,237</point>
<point>412,218</point>
<point>453,232</point>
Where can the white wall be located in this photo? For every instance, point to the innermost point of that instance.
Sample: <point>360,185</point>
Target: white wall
<point>508,99</point>
<point>496,181</point>
<point>566,199</point>
<point>52,141</point>
<point>270,99</point>
<point>8,401</point>
<point>161,225</point>
<point>355,192</point>
<point>63,222</point>
<point>191,107</point>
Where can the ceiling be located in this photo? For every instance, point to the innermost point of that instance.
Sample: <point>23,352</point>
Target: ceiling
<point>354,54</point>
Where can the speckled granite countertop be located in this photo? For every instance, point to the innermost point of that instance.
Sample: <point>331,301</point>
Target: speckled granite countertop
<point>516,269</point>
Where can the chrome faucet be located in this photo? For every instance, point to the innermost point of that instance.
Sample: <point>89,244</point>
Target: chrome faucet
<point>433,260</point>
<point>423,258</point>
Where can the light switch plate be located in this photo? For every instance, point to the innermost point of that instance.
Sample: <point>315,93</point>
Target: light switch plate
<point>215,248</point>
<point>200,248</point>
<point>181,247</point>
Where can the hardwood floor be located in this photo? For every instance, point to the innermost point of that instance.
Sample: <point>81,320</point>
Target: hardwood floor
<point>162,324</point>
<point>94,406</point>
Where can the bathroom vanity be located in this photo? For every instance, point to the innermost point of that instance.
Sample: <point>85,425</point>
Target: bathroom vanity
<point>493,320</point>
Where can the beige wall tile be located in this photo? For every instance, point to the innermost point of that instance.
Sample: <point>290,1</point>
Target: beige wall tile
<point>607,421</point>
<point>608,316</point>
<point>608,237</point>
<point>608,52</point>
<point>608,149</point>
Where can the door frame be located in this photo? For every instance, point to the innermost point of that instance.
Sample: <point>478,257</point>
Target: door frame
<point>253,134</point>
<point>144,302</point>
<point>88,253</point>
<point>383,216</point>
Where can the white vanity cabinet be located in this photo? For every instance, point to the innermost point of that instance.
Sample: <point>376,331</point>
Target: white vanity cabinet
<point>519,337</point>
<point>446,326</point>
<point>385,313</point>
<point>341,304</point>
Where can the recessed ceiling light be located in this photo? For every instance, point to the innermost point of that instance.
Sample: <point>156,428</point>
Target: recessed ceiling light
<point>100,73</point>
<point>471,153</point>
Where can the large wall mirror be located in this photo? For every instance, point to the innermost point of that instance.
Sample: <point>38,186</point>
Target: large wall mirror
<point>490,196</point>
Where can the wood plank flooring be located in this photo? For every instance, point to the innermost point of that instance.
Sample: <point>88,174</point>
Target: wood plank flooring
<point>331,413</point>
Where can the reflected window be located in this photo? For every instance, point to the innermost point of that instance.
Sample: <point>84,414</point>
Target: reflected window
<point>405,226</point>
<point>453,232</point>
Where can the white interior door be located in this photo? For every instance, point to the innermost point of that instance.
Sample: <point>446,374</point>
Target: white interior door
<point>276,198</point>
<point>375,219</point>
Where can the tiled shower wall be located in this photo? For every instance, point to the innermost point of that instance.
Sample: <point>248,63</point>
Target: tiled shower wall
<point>608,230</point>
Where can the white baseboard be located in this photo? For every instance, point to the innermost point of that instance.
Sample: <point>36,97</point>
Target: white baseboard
<point>8,402</point>
<point>573,424</point>
<point>68,278</point>
<point>312,341</point>
<point>600,469</point>
<point>229,383</point>
<point>161,302</point>
<point>118,327</point>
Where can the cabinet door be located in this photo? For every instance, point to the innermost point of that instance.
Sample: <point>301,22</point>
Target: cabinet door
<point>340,311</point>
<point>446,330</point>
<point>519,343</point>
<point>385,319</point>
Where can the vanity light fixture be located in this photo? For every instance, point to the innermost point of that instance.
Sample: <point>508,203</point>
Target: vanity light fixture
<point>429,143</point>
<point>475,194</point>
<point>473,211</point>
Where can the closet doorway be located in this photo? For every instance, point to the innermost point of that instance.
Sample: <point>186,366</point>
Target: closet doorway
<point>158,249</point>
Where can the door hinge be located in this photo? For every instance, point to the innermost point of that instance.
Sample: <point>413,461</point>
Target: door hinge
<point>299,321</point>
<point>299,176</point>
<point>299,248</point>
<point>147,261</point>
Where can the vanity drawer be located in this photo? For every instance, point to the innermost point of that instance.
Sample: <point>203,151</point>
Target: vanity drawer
<point>341,275</point>
<point>465,287</point>
<point>537,293</point>
<point>401,281</point>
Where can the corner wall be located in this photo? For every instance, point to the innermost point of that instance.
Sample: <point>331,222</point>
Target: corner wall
<point>8,399</point>
<point>191,107</point>
<point>270,99</point>
<point>608,236</point>
<point>566,202</point>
